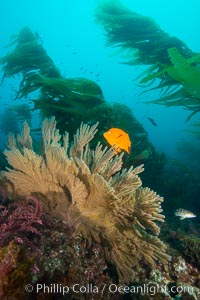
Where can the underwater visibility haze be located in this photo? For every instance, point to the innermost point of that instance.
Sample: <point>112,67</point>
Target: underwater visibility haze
<point>99,149</point>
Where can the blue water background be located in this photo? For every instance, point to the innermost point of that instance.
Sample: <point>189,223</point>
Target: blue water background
<point>77,46</point>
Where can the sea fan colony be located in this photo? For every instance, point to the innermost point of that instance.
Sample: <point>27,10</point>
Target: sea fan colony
<point>90,192</point>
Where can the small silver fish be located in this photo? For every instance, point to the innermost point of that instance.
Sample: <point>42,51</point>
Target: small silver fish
<point>184,214</point>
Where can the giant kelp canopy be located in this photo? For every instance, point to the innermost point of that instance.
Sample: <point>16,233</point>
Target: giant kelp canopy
<point>139,35</point>
<point>28,55</point>
<point>168,58</point>
<point>70,100</point>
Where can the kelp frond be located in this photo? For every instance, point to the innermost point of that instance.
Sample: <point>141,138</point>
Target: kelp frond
<point>170,60</point>
<point>28,55</point>
<point>140,36</point>
<point>185,77</point>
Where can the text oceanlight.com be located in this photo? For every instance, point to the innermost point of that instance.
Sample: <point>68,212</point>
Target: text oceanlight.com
<point>145,289</point>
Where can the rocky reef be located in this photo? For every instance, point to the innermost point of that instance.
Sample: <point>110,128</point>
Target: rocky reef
<point>90,192</point>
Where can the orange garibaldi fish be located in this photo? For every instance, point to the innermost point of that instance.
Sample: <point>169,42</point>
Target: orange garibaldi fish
<point>118,139</point>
